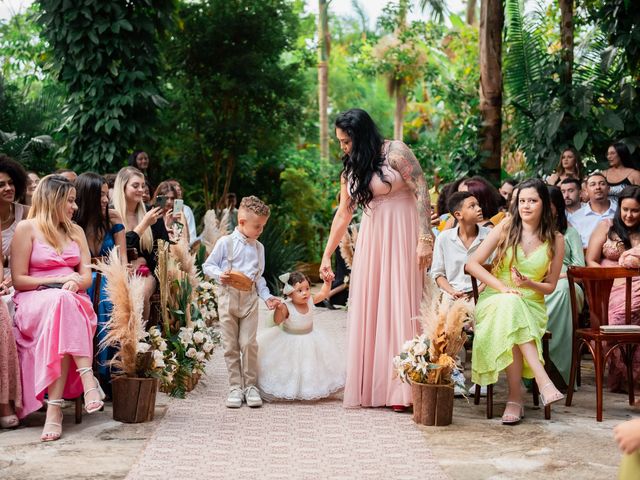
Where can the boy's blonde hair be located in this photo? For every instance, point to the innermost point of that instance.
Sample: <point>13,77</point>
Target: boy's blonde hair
<point>254,205</point>
<point>48,201</point>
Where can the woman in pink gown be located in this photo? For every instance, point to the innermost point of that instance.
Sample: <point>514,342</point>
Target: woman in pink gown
<point>394,247</point>
<point>54,321</point>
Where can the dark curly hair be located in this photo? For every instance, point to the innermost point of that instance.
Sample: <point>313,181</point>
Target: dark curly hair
<point>17,174</point>
<point>297,277</point>
<point>366,156</point>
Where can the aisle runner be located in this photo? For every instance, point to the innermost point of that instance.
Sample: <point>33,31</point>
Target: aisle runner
<point>200,438</point>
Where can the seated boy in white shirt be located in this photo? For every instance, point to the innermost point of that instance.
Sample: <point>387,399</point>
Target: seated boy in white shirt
<point>453,247</point>
<point>237,264</point>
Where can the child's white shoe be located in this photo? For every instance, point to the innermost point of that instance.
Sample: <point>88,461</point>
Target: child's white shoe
<point>235,398</point>
<point>252,396</point>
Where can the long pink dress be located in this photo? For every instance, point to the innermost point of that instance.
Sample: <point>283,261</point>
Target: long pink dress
<point>385,292</point>
<point>50,323</point>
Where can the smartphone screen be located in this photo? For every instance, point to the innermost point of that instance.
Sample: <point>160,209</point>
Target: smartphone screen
<point>178,203</point>
<point>161,201</point>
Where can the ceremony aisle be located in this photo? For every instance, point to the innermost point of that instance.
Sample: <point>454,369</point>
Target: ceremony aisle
<point>200,438</point>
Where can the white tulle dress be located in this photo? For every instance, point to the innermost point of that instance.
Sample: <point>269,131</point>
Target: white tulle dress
<point>299,360</point>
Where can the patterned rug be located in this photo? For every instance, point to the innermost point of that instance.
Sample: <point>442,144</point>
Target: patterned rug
<point>200,438</point>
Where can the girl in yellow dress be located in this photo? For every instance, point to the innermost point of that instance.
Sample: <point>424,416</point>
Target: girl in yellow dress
<point>511,316</point>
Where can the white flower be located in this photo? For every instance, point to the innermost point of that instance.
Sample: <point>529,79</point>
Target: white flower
<point>191,353</point>
<point>206,285</point>
<point>162,346</point>
<point>406,346</point>
<point>198,337</point>
<point>158,359</point>
<point>185,336</point>
<point>207,347</point>
<point>420,349</point>
<point>143,347</point>
<point>200,356</point>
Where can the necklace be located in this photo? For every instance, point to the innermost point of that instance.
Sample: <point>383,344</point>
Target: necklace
<point>5,220</point>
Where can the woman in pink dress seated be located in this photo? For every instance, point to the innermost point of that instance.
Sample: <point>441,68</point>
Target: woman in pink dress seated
<point>394,247</point>
<point>54,321</point>
<point>616,242</point>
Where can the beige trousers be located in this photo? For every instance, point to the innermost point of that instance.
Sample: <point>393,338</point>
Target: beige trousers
<point>239,325</point>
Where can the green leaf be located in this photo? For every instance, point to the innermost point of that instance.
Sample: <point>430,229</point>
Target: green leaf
<point>612,120</point>
<point>456,21</point>
<point>579,139</point>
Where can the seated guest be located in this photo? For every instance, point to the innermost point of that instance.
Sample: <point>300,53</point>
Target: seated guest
<point>32,183</point>
<point>569,166</point>
<point>176,224</point>
<point>453,247</point>
<point>559,301</point>
<point>10,385</point>
<point>621,172</point>
<point>104,230</point>
<point>507,187</point>
<point>570,189</point>
<point>54,320</point>
<point>617,242</point>
<point>488,198</point>
<point>188,213</point>
<point>143,228</point>
<point>598,208</point>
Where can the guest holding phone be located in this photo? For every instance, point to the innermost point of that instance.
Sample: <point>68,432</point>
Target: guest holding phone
<point>188,212</point>
<point>166,198</point>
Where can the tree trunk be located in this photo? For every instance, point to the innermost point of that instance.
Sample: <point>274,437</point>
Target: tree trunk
<point>323,78</point>
<point>566,38</point>
<point>491,23</point>
<point>471,12</point>
<point>401,105</point>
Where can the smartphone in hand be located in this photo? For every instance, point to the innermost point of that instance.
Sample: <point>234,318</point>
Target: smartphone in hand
<point>178,205</point>
<point>517,272</point>
<point>161,201</point>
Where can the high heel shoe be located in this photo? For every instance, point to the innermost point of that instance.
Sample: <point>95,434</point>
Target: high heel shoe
<point>52,436</point>
<point>508,419</point>
<point>99,403</point>
<point>558,395</point>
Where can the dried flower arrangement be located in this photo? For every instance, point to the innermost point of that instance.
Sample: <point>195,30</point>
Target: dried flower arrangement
<point>348,244</point>
<point>430,358</point>
<point>214,229</point>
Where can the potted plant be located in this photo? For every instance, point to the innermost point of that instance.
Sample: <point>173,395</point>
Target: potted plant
<point>427,361</point>
<point>140,362</point>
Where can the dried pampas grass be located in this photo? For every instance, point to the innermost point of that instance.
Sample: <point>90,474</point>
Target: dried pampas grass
<point>348,245</point>
<point>214,229</point>
<point>443,320</point>
<point>186,261</point>
<point>126,326</point>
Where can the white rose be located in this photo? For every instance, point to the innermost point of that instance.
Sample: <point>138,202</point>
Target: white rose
<point>163,346</point>
<point>143,347</point>
<point>420,349</point>
<point>406,346</point>
<point>198,337</point>
<point>200,356</point>
<point>191,353</point>
<point>207,285</point>
<point>158,359</point>
<point>207,347</point>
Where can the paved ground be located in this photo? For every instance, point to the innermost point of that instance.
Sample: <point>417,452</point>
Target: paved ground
<point>571,445</point>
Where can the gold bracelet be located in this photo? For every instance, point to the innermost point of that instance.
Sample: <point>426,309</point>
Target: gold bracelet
<point>426,238</point>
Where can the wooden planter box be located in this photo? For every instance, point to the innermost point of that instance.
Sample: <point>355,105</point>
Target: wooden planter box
<point>134,399</point>
<point>432,404</point>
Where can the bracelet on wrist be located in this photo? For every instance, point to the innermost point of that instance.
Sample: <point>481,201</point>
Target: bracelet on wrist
<point>426,238</point>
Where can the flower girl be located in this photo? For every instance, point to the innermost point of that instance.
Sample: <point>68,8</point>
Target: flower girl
<point>298,360</point>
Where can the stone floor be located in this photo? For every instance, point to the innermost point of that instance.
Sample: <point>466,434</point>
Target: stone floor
<point>571,445</point>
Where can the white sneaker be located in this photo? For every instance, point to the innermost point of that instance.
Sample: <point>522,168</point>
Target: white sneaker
<point>252,396</point>
<point>235,398</point>
<point>483,390</point>
<point>459,387</point>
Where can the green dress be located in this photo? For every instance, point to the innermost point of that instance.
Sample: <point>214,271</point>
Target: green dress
<point>559,306</point>
<point>506,319</point>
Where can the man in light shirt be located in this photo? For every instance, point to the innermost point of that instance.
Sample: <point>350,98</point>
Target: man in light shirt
<point>597,209</point>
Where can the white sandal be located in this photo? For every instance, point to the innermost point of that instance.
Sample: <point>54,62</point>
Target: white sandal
<point>99,403</point>
<point>53,436</point>
<point>510,419</point>
<point>558,395</point>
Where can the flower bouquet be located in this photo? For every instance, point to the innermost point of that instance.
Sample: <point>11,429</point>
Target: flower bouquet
<point>207,299</point>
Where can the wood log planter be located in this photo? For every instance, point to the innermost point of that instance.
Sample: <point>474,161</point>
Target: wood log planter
<point>432,404</point>
<point>134,399</point>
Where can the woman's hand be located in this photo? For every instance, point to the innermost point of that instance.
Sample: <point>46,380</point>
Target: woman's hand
<point>152,216</point>
<point>627,435</point>
<point>326,272</point>
<point>424,251</point>
<point>518,279</point>
<point>72,286</point>
<point>513,291</point>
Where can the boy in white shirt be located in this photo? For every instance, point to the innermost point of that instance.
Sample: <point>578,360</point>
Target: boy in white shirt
<point>237,264</point>
<point>453,247</point>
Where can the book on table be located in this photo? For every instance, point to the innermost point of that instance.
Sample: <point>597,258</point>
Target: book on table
<point>619,328</point>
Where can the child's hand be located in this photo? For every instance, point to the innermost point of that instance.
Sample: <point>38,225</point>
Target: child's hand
<point>272,303</point>
<point>281,314</point>
<point>225,278</point>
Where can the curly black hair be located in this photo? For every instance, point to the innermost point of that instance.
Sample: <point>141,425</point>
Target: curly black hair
<point>17,174</point>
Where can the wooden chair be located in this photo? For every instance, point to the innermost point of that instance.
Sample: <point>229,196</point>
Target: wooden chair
<point>597,283</point>
<point>545,355</point>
